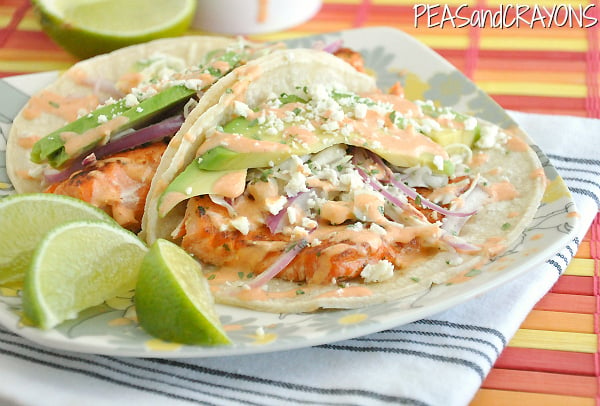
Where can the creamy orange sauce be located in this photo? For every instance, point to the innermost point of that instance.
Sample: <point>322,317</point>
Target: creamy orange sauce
<point>494,246</point>
<point>516,144</point>
<point>74,143</point>
<point>479,159</point>
<point>370,206</point>
<point>451,189</point>
<point>495,171</point>
<point>65,107</point>
<point>502,191</point>
<point>169,201</point>
<point>239,143</point>
<point>537,236</point>
<point>28,142</point>
<point>409,141</point>
<point>337,212</point>
<point>350,291</point>
<point>230,185</point>
<point>573,214</point>
<point>128,81</point>
<point>23,174</point>
<point>539,173</point>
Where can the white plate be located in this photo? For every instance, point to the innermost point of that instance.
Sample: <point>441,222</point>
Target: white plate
<point>393,55</point>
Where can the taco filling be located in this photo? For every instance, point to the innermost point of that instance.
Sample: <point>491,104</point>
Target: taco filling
<point>326,186</point>
<point>108,152</point>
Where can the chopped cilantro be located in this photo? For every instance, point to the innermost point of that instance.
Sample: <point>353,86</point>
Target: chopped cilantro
<point>211,277</point>
<point>241,275</point>
<point>397,120</point>
<point>473,272</point>
<point>299,292</point>
<point>265,174</point>
<point>418,200</point>
<point>415,279</point>
<point>54,104</point>
<point>506,226</point>
<point>285,98</point>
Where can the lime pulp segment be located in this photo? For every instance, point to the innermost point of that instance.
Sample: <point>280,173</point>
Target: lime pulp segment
<point>26,218</point>
<point>79,265</point>
<point>173,299</point>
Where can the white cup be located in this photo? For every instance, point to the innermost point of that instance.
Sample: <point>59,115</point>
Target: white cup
<point>241,17</point>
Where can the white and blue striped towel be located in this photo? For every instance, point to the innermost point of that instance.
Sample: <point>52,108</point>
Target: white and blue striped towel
<point>441,360</point>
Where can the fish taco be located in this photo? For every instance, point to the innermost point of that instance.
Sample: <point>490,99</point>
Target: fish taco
<point>99,131</point>
<point>307,187</point>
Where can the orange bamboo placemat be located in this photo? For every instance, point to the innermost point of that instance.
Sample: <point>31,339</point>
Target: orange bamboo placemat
<point>553,358</point>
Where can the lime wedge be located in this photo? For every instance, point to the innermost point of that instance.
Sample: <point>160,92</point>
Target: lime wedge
<point>26,218</point>
<point>173,300</point>
<point>91,27</point>
<point>79,265</point>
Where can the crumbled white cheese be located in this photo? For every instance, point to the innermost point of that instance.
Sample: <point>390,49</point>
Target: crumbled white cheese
<point>378,272</point>
<point>292,214</point>
<point>377,229</point>
<point>241,224</point>
<point>428,125</point>
<point>330,126</point>
<point>360,110</point>
<point>315,243</point>
<point>309,223</point>
<point>274,205</point>
<point>241,108</point>
<point>131,100</point>
<point>298,233</point>
<point>438,161</point>
<point>470,123</point>
<point>296,184</point>
<point>102,119</point>
<point>490,136</point>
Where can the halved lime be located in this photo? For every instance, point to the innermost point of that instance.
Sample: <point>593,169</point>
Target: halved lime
<point>78,265</point>
<point>91,27</point>
<point>26,218</point>
<point>173,300</point>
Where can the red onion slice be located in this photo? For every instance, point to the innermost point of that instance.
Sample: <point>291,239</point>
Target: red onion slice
<point>410,192</point>
<point>154,132</point>
<point>333,46</point>
<point>472,200</point>
<point>459,244</point>
<point>275,222</point>
<point>379,187</point>
<point>279,265</point>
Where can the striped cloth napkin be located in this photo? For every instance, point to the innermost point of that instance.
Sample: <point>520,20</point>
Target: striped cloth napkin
<point>441,360</point>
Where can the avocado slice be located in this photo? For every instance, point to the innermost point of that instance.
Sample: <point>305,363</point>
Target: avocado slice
<point>222,158</point>
<point>193,181</point>
<point>52,149</point>
<point>448,136</point>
